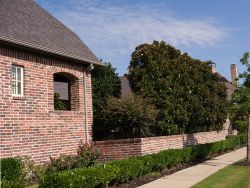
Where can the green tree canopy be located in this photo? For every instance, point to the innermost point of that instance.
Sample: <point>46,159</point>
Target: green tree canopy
<point>241,98</point>
<point>188,95</point>
<point>246,75</point>
<point>105,83</point>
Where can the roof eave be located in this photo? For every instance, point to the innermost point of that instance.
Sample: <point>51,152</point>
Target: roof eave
<point>23,44</point>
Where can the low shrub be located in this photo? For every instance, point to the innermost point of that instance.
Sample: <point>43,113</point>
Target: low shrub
<point>127,169</point>
<point>131,116</point>
<point>11,172</point>
<point>62,163</point>
<point>87,156</point>
<point>32,173</point>
<point>11,184</point>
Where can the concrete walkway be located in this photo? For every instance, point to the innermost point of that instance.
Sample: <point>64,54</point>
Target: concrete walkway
<point>190,176</point>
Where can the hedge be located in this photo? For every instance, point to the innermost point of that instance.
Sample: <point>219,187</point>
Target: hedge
<point>11,173</point>
<point>127,169</point>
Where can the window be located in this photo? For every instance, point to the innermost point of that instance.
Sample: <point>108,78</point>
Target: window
<point>17,80</point>
<point>65,92</point>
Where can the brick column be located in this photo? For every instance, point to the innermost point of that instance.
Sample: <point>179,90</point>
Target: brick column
<point>234,74</point>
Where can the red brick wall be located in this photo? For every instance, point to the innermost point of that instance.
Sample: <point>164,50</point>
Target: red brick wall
<point>29,125</point>
<point>120,149</point>
<point>156,144</point>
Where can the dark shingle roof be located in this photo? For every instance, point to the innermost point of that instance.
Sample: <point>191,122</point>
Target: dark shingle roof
<point>23,22</point>
<point>222,78</point>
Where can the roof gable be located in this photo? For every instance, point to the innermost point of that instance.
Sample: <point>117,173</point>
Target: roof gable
<point>25,23</point>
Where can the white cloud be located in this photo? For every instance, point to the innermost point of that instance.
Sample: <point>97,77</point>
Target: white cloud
<point>113,30</point>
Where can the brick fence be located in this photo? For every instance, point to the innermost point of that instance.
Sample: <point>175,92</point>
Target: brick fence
<point>124,148</point>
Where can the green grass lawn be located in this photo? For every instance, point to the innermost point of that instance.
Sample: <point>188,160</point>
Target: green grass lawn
<point>233,176</point>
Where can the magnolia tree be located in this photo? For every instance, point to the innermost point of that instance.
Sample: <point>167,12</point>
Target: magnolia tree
<point>186,92</point>
<point>241,98</point>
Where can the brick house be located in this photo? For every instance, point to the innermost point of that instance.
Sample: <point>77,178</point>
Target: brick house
<point>230,85</point>
<point>39,56</point>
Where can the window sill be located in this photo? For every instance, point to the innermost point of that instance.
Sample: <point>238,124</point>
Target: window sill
<point>18,97</point>
<point>64,112</point>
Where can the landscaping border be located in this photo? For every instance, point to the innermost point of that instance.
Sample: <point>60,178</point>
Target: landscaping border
<point>128,169</point>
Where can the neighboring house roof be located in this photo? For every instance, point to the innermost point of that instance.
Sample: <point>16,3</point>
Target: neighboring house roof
<point>125,86</point>
<point>229,86</point>
<point>222,78</point>
<point>229,90</point>
<point>24,23</point>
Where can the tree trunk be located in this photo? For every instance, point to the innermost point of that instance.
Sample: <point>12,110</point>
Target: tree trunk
<point>248,141</point>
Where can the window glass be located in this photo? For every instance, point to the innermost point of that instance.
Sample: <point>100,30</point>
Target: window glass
<point>19,74</point>
<point>19,88</point>
<point>62,88</point>
<point>14,73</point>
<point>17,80</point>
<point>13,87</point>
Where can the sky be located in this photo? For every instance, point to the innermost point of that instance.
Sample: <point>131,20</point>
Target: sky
<point>217,30</point>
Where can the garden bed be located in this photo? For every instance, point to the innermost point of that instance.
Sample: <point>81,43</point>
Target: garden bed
<point>130,172</point>
<point>139,181</point>
<point>121,171</point>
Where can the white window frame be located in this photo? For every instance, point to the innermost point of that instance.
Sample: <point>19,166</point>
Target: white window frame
<point>16,94</point>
